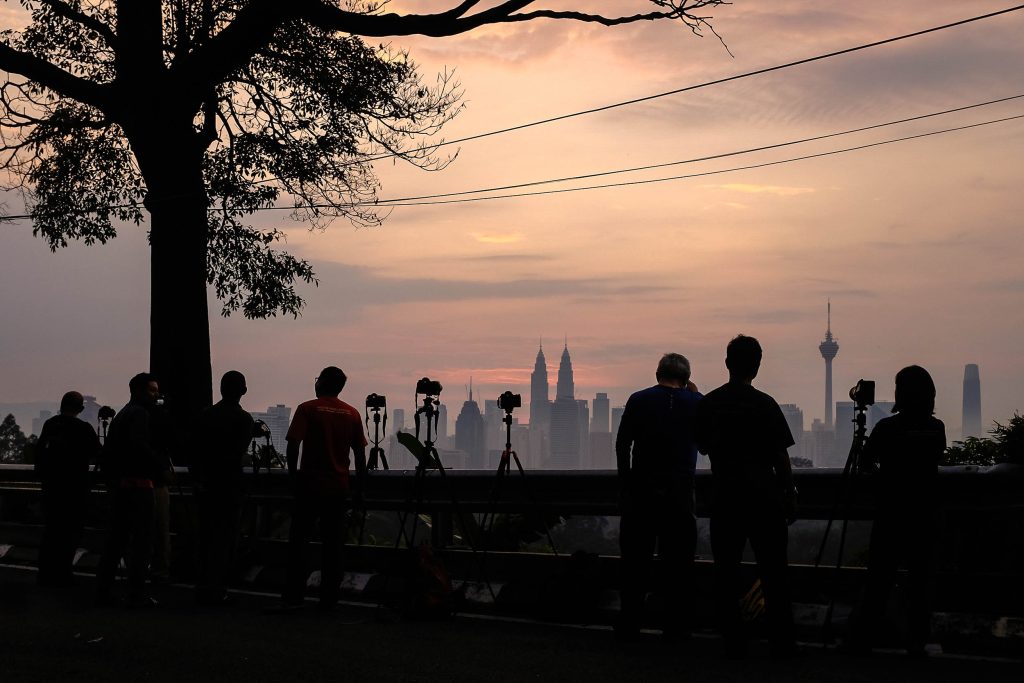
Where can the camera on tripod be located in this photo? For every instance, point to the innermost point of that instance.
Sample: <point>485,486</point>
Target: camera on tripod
<point>378,402</point>
<point>260,430</point>
<point>863,393</point>
<point>428,387</point>
<point>509,401</point>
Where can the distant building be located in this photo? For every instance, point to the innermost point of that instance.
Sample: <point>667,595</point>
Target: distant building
<point>795,419</point>
<point>565,419</point>
<point>469,434</point>
<point>972,402</point>
<point>565,434</point>
<point>599,422</point>
<point>616,419</point>
<point>277,418</point>
<point>828,348</point>
<point>602,451</point>
<point>37,422</point>
<point>442,426</point>
<point>820,446</point>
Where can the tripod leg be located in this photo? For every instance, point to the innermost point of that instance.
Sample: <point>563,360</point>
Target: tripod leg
<point>533,499</point>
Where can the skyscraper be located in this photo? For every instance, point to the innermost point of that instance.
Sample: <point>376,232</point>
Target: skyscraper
<point>566,387</point>
<point>599,420</point>
<point>540,404</point>
<point>469,433</point>
<point>616,419</point>
<point>972,401</point>
<point>828,348</point>
<point>565,419</point>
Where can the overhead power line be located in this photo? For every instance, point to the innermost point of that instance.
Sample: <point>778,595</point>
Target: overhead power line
<point>833,152</point>
<point>447,197</point>
<point>707,84</point>
<point>723,155</point>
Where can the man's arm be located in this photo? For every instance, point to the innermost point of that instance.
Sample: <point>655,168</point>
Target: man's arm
<point>624,444</point>
<point>359,451</point>
<point>292,453</point>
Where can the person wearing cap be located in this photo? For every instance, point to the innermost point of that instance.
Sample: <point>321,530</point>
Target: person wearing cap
<point>902,456</point>
<point>66,447</point>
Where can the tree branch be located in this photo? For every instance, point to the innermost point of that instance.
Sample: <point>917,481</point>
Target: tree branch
<point>54,78</point>
<point>255,24</point>
<point>61,9</point>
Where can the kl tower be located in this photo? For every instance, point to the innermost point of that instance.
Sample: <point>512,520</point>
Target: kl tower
<point>829,348</point>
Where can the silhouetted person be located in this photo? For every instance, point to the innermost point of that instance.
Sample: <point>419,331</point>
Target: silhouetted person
<point>656,458</point>
<point>745,434</point>
<point>325,430</point>
<point>903,454</point>
<point>133,458</point>
<point>66,447</point>
<point>222,436</point>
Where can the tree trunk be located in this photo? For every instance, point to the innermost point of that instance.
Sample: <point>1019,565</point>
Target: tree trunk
<point>179,318</point>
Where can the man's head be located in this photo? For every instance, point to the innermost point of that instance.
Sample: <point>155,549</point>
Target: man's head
<point>330,382</point>
<point>673,370</point>
<point>915,391</point>
<point>144,388</point>
<point>232,385</point>
<point>743,358</point>
<point>72,403</point>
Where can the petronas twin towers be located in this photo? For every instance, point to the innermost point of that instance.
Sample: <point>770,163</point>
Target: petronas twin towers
<point>564,420</point>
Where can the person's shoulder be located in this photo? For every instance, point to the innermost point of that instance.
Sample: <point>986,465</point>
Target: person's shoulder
<point>349,409</point>
<point>306,406</point>
<point>643,394</point>
<point>716,394</point>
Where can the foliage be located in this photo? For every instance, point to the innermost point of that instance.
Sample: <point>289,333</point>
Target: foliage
<point>1006,446</point>
<point>296,123</point>
<point>797,461</point>
<point>15,447</point>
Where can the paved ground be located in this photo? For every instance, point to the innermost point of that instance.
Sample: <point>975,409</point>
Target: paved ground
<point>48,635</point>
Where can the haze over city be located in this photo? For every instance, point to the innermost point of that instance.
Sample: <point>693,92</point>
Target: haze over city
<point>916,243</point>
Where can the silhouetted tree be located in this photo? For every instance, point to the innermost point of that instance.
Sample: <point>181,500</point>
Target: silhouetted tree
<point>205,111</point>
<point>1007,445</point>
<point>13,442</point>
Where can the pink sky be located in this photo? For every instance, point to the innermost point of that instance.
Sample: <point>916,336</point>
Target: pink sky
<point>916,243</point>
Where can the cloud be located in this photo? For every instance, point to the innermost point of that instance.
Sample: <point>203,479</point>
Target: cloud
<point>508,258</point>
<point>497,238</point>
<point>777,190</point>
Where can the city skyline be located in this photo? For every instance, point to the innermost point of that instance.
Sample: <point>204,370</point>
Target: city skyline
<point>917,243</point>
<point>538,380</point>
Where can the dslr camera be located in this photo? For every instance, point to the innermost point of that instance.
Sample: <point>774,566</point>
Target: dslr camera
<point>863,393</point>
<point>509,401</point>
<point>260,430</point>
<point>428,387</point>
<point>376,401</point>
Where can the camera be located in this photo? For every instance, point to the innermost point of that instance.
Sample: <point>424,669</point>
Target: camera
<point>376,401</point>
<point>863,393</point>
<point>106,413</point>
<point>428,387</point>
<point>260,430</point>
<point>508,401</point>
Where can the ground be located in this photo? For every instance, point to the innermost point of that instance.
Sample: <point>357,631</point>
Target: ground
<point>58,635</point>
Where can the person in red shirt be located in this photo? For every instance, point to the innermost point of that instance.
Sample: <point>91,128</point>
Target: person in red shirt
<point>322,434</point>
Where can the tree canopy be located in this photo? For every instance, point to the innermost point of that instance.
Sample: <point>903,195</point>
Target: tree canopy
<point>202,112</point>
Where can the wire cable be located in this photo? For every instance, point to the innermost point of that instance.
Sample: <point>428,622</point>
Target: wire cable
<point>706,84</point>
<point>723,155</point>
<point>844,150</point>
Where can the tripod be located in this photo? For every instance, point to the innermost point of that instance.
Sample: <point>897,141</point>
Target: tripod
<point>851,471</point>
<point>428,459</point>
<point>265,456</point>
<point>376,452</point>
<point>508,456</point>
